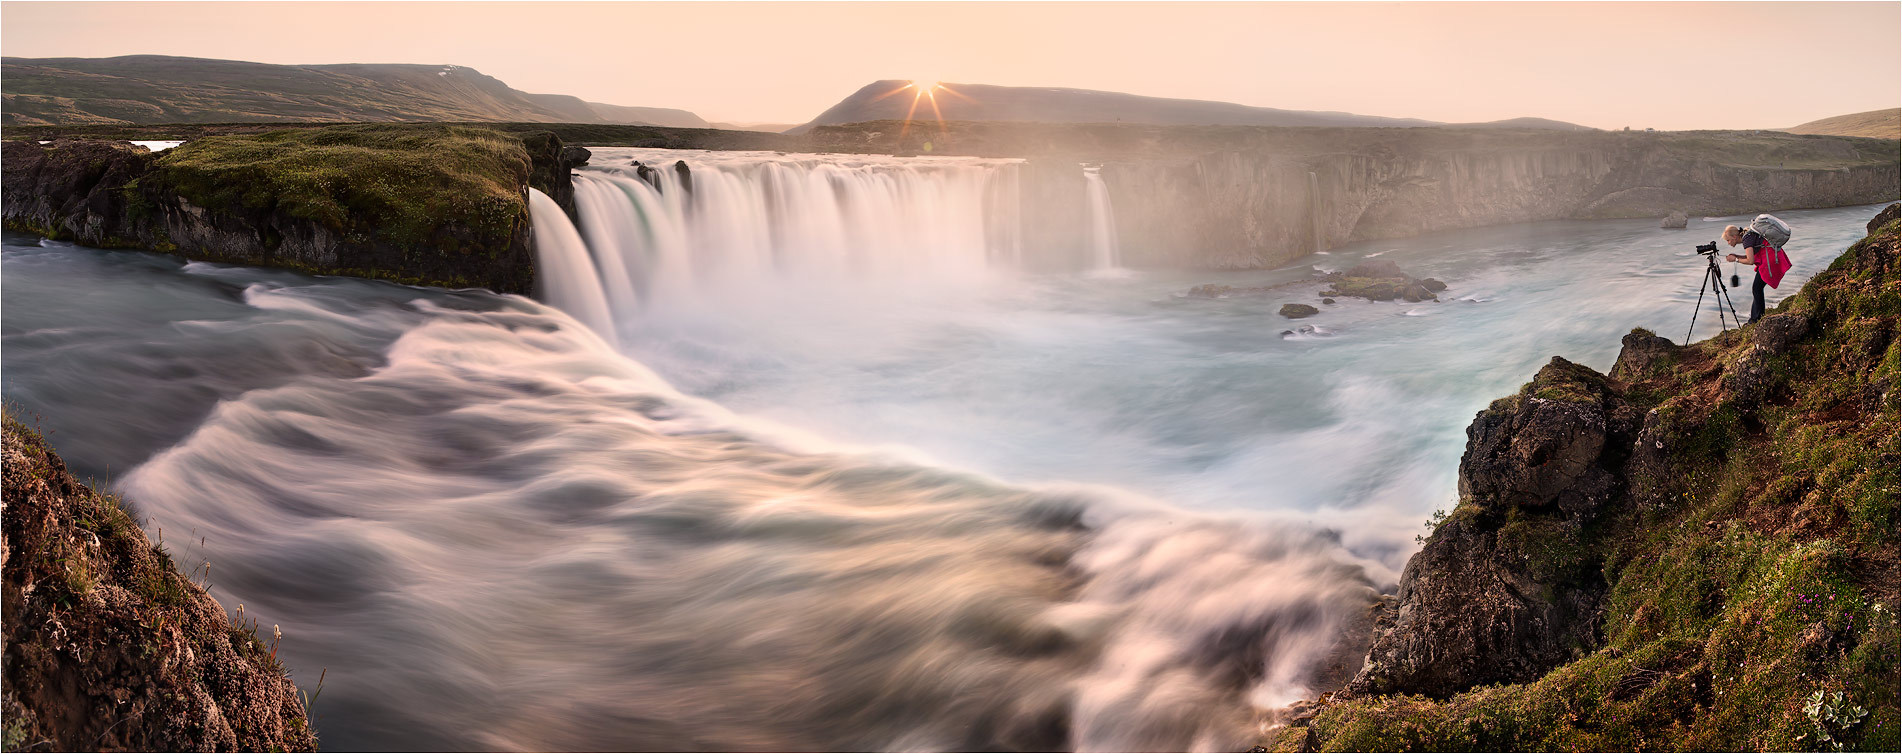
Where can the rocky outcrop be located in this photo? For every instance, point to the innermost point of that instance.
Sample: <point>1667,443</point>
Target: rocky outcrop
<point>108,646</point>
<point>475,233</point>
<point>1512,582</point>
<point>1504,590</point>
<point>1380,280</point>
<point>1890,213</point>
<point>1298,311</point>
<point>551,165</point>
<point>1675,221</point>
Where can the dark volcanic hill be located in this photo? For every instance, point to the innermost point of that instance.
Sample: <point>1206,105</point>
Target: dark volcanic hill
<point>892,99</point>
<point>164,89</point>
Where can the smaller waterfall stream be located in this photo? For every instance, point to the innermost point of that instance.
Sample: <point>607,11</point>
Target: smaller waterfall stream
<point>1107,253</point>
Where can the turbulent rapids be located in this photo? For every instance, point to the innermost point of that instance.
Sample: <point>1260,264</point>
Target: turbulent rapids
<point>799,454</point>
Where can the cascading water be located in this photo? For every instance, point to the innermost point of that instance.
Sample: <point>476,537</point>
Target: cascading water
<point>740,226</point>
<point>1107,252</point>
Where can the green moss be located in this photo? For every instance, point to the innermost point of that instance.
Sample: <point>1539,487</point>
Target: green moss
<point>400,183</point>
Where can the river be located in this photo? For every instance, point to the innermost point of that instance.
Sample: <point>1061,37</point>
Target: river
<point>821,464</point>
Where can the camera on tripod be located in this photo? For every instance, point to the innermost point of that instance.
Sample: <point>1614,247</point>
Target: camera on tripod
<point>1714,284</point>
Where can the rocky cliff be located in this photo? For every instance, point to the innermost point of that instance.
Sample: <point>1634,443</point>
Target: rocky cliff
<point>1262,208</point>
<point>108,646</point>
<point>1697,551</point>
<point>434,205</point>
<point>1246,197</point>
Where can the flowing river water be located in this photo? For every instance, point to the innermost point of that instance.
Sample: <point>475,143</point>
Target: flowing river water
<point>802,458</point>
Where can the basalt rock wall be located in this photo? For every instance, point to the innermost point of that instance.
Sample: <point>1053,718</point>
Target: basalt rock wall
<point>1263,207</point>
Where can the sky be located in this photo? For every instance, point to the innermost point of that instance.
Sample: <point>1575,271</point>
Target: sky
<point>1659,65</point>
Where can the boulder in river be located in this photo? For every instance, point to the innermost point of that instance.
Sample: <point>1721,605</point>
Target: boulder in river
<point>574,157</point>
<point>1381,280</point>
<point>1675,220</point>
<point>1297,311</point>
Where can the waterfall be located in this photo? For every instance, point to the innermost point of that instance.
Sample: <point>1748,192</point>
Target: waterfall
<point>566,273</point>
<point>733,227</point>
<point>1107,254</point>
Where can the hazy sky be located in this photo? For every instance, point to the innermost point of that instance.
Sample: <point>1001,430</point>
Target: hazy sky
<point>1662,65</point>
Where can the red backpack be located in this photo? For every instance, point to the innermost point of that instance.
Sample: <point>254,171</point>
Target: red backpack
<point>1771,264</point>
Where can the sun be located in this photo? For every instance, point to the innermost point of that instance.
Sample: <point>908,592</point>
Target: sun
<point>922,92</point>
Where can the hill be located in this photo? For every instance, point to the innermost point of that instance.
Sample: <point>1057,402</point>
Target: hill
<point>1875,124</point>
<point>162,89</point>
<point>1694,552</point>
<point>893,100</point>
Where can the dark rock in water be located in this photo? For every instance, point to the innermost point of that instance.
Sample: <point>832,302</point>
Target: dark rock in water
<point>647,174</point>
<point>1503,591</point>
<point>1328,301</point>
<point>1376,268</point>
<point>1287,333</point>
<point>574,157</point>
<point>1675,220</point>
<point>1882,218</point>
<point>1212,290</point>
<point>1297,311</point>
<point>1381,280</point>
<point>686,175</point>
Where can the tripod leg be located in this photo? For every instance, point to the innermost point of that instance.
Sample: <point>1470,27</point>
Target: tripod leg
<point>1699,307</point>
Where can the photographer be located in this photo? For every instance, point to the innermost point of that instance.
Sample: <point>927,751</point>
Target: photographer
<point>1753,244</point>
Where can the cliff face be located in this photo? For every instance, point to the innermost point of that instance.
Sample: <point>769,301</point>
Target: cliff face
<point>1263,207</point>
<point>442,206</point>
<point>1696,551</point>
<point>108,646</point>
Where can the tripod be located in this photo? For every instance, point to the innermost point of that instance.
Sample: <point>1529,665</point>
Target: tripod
<point>1713,281</point>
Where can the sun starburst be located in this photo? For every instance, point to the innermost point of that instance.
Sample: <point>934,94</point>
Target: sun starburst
<point>923,93</point>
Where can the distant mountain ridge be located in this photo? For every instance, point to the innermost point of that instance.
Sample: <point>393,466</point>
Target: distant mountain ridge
<point>893,99</point>
<point>1875,124</point>
<point>166,89</point>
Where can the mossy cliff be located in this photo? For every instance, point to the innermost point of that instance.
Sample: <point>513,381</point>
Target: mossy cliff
<point>108,646</point>
<point>1698,551</point>
<point>429,205</point>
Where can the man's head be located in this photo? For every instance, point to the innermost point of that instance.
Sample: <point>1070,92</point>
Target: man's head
<point>1733,235</point>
